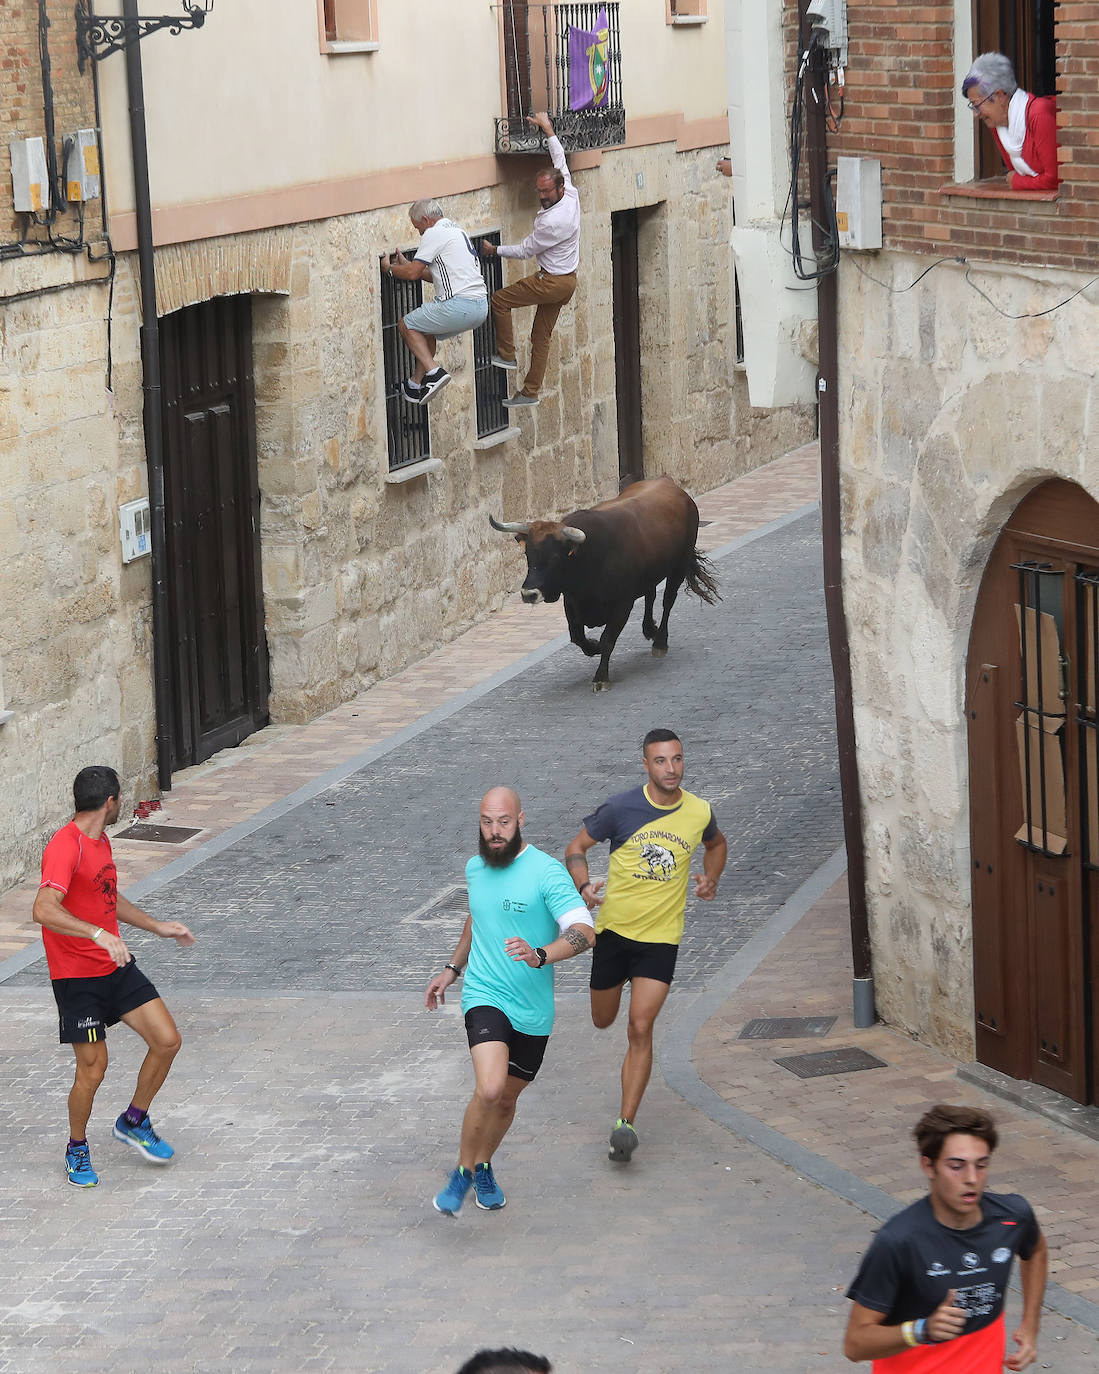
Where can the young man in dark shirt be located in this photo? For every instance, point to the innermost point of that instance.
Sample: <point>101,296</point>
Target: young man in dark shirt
<point>929,1294</point>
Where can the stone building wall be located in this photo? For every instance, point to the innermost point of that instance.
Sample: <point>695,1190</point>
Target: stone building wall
<point>950,413</point>
<point>361,574</point>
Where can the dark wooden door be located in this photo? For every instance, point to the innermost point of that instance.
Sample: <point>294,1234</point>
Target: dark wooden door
<point>1034,794</point>
<point>627,344</point>
<point>215,595</point>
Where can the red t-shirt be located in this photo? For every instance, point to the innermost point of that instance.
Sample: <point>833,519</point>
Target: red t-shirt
<point>976,1352</point>
<point>83,871</point>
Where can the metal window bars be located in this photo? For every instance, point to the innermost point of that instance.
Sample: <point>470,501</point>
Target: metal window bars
<point>1044,689</point>
<point>408,434</point>
<point>536,77</point>
<point>1087,720</point>
<point>490,384</point>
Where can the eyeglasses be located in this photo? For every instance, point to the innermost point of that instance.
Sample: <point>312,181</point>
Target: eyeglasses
<point>979,103</point>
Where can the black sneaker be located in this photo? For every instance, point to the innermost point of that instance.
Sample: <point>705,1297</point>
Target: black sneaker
<point>434,382</point>
<point>623,1141</point>
<point>412,391</point>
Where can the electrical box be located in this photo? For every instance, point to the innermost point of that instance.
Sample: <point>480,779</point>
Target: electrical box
<point>858,202</point>
<point>136,528</point>
<point>29,179</point>
<point>80,174</point>
<point>829,18</point>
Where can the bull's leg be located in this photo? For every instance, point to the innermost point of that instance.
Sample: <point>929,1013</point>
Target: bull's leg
<point>578,634</point>
<point>648,625</point>
<point>601,682</point>
<point>671,591</point>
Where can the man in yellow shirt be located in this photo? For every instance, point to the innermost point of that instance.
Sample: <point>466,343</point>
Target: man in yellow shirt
<point>653,831</point>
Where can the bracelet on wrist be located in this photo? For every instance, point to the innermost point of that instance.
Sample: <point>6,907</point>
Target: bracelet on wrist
<point>908,1333</point>
<point>97,932</point>
<point>454,969</point>
<point>582,886</point>
<point>919,1330</point>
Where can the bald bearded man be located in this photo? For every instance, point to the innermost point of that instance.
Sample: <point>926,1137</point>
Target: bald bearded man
<point>524,916</point>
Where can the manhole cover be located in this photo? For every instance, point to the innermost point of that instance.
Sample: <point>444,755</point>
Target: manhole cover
<point>822,1063</point>
<point>786,1027</point>
<point>158,834</point>
<point>451,904</point>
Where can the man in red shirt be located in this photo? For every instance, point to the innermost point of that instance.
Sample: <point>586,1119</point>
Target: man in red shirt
<point>96,982</point>
<point>929,1294</point>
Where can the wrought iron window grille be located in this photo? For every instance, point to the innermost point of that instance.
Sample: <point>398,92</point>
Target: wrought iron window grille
<point>536,77</point>
<point>408,434</point>
<point>1041,747</point>
<point>99,35</point>
<point>490,383</point>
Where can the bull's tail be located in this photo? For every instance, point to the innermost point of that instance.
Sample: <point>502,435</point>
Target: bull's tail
<point>702,578</point>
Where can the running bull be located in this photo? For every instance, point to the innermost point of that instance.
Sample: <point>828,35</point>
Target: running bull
<point>601,560</point>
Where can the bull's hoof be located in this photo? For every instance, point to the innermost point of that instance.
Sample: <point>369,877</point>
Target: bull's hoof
<point>658,652</point>
<point>598,686</point>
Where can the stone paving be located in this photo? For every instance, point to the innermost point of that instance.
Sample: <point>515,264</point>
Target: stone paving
<point>315,1104</point>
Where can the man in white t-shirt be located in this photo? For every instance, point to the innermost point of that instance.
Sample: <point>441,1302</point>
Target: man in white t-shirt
<point>446,258</point>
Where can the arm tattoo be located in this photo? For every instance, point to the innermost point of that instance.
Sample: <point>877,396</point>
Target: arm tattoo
<point>571,859</point>
<point>576,936</point>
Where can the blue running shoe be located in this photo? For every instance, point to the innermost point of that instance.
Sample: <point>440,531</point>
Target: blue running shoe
<point>144,1139</point>
<point>78,1166</point>
<point>454,1194</point>
<point>486,1191</point>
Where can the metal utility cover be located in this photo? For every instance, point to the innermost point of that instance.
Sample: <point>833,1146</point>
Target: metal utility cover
<point>158,834</point>
<point>822,1063</point>
<point>786,1027</point>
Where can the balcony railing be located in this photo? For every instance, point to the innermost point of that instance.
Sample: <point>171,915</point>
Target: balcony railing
<point>544,70</point>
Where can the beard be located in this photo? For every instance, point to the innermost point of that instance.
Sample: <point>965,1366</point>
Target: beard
<point>500,858</point>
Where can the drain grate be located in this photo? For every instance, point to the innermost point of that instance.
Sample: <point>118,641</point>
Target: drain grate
<point>158,834</point>
<point>786,1027</point>
<point>451,904</point>
<point>822,1063</point>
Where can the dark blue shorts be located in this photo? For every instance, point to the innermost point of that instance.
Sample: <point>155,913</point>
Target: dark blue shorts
<point>87,1006</point>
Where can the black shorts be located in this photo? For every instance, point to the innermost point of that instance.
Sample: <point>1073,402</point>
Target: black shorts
<point>525,1052</point>
<point>615,960</point>
<point>87,1006</point>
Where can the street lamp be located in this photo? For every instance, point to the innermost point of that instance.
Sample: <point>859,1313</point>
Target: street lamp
<point>97,36</point>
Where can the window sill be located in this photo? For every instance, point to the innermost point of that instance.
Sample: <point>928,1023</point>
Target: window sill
<point>680,19</point>
<point>337,47</point>
<point>420,469</point>
<point>993,190</point>
<point>501,436</point>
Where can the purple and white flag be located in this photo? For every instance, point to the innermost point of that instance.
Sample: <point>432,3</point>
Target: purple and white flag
<point>588,65</point>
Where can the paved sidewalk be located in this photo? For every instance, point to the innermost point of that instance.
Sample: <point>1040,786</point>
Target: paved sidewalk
<point>238,784</point>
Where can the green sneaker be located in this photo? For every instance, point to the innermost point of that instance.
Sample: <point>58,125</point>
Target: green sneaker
<point>623,1141</point>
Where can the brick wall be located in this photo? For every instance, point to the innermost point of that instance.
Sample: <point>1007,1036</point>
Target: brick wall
<point>901,99</point>
<point>21,98</point>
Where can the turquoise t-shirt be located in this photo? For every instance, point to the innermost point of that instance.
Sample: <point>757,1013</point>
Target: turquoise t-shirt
<point>523,899</point>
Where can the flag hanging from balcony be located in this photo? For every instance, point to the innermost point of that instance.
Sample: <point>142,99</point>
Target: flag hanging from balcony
<point>588,65</point>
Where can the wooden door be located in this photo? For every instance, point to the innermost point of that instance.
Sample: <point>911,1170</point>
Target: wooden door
<point>1034,793</point>
<point>627,344</point>
<point>219,649</point>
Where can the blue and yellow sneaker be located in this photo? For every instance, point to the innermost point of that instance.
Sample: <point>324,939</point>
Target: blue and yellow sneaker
<point>623,1141</point>
<point>454,1194</point>
<point>487,1193</point>
<point>144,1140</point>
<point>78,1166</point>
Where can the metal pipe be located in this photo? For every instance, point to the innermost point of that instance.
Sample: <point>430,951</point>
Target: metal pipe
<point>152,413</point>
<point>831,529</point>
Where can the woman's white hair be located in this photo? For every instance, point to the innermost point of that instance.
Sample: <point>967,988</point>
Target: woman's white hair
<point>992,71</point>
<point>428,209</point>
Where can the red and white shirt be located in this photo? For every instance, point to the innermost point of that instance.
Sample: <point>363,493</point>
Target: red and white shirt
<point>83,871</point>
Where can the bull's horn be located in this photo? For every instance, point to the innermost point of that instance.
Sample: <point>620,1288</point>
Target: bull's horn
<point>510,527</point>
<point>572,534</point>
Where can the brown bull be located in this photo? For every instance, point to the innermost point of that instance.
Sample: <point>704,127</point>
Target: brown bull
<point>603,559</point>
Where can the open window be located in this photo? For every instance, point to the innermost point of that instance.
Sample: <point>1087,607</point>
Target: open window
<point>685,11</point>
<point>348,25</point>
<point>1023,31</point>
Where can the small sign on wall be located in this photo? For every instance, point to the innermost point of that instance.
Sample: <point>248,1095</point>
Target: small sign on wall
<point>136,529</point>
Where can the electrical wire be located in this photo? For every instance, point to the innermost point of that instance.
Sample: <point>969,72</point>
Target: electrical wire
<point>964,262</point>
<point>828,260</point>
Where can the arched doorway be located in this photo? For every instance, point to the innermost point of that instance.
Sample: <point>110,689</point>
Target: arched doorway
<point>1034,794</point>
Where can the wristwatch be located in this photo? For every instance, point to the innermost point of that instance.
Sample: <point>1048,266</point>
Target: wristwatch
<point>541,956</point>
<point>456,971</point>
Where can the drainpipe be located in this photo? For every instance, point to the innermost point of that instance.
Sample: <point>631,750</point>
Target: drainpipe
<point>828,413</point>
<point>152,408</point>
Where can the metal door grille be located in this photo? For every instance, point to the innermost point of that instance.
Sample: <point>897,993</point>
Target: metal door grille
<point>1043,689</point>
<point>407,431</point>
<point>490,383</point>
